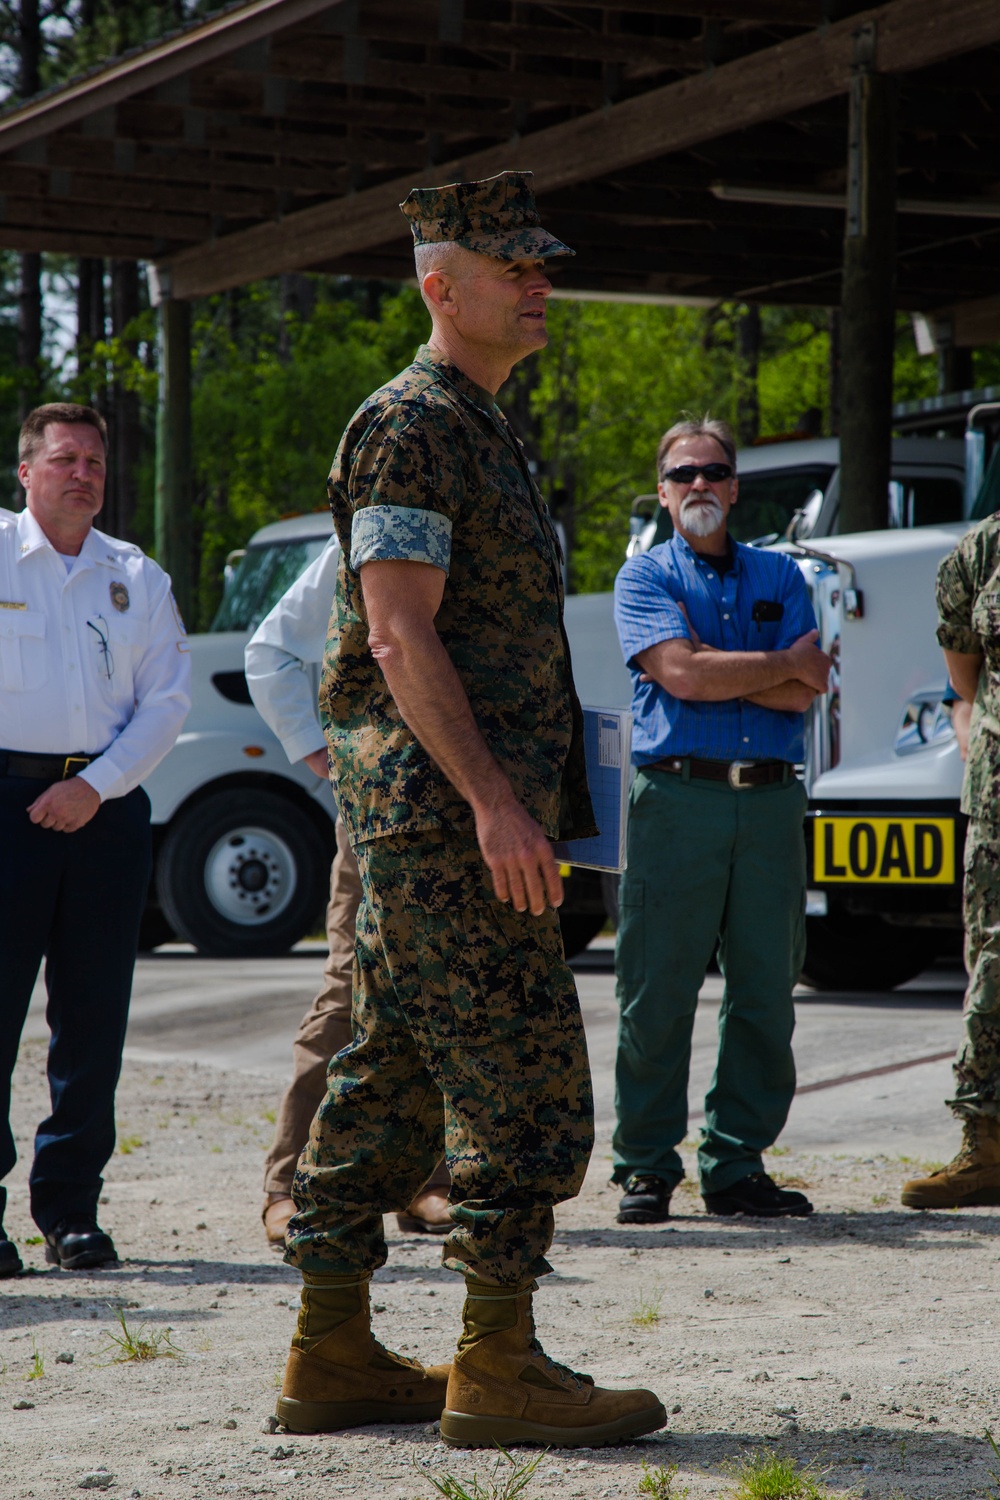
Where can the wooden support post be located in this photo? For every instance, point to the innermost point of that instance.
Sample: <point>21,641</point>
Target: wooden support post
<point>868,301</point>
<point>174,550</point>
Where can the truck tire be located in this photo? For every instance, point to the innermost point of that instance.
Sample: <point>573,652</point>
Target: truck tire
<point>864,953</point>
<point>243,874</point>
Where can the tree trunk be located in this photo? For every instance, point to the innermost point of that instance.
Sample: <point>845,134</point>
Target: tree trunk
<point>29,308</point>
<point>748,403</point>
<point>124,415</point>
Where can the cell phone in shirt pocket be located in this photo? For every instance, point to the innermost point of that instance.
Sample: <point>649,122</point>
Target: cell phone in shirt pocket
<point>766,616</point>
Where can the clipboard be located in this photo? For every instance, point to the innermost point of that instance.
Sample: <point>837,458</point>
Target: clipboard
<point>607,738</point>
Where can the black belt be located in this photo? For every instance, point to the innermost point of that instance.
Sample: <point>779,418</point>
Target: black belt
<point>738,773</point>
<point>42,767</point>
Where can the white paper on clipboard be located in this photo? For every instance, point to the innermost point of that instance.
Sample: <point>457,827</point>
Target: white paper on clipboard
<point>607,737</point>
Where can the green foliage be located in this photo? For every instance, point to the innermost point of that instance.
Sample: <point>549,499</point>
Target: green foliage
<point>271,396</point>
<point>658,1482</point>
<point>497,1487</point>
<point>138,1343</point>
<point>647,1309</point>
<point>763,1474</point>
<point>37,1363</point>
<point>993,1473</point>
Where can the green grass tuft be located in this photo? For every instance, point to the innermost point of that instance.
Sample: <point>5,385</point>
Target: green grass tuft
<point>763,1474</point>
<point>658,1482</point>
<point>37,1363</point>
<point>497,1487</point>
<point>138,1343</point>
<point>647,1310</point>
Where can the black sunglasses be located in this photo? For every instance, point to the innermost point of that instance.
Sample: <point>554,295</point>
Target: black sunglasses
<point>688,473</point>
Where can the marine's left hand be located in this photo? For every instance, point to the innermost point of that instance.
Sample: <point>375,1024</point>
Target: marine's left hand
<point>65,806</point>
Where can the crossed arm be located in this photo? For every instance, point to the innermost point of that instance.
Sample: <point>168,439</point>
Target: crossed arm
<point>789,679</point>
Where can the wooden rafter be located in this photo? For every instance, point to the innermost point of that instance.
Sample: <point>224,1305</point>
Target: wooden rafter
<point>776,81</point>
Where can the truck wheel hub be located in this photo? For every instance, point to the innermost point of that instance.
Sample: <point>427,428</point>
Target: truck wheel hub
<point>250,875</point>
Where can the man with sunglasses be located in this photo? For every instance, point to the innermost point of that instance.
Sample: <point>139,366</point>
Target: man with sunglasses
<point>95,683</point>
<point>720,640</point>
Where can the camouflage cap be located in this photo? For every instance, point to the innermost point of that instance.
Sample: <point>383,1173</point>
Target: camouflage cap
<point>496,216</point>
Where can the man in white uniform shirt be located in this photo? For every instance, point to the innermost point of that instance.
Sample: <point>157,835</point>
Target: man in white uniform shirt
<point>286,644</point>
<point>94,687</point>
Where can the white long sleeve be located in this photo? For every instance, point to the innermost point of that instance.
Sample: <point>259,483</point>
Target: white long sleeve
<point>286,643</point>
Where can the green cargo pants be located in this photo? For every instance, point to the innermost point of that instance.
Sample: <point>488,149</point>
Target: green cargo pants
<point>706,861</point>
<point>977,1066</point>
<point>460,1003</point>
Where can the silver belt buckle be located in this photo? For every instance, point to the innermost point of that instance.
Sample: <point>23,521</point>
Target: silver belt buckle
<point>736,767</point>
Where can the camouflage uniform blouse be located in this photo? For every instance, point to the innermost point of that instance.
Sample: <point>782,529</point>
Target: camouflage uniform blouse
<point>968,600</point>
<point>428,470</point>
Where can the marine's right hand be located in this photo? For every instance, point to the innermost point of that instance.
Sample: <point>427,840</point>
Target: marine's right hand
<point>808,663</point>
<point>519,857</point>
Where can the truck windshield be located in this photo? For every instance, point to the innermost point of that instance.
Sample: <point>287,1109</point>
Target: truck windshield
<point>262,577</point>
<point>769,499</point>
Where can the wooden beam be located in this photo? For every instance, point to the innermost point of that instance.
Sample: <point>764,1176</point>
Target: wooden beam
<point>770,83</point>
<point>187,164</point>
<point>778,12</point>
<point>154,65</point>
<point>136,192</point>
<point>75,242</point>
<point>324,63</point>
<point>561,42</point>
<point>111,219</point>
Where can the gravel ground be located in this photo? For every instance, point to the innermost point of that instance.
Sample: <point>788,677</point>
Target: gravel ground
<point>862,1340</point>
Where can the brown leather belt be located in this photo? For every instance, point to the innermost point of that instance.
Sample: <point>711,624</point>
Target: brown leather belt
<point>42,767</point>
<point>738,773</point>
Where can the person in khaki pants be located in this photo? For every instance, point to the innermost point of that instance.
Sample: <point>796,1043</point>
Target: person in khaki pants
<point>278,657</point>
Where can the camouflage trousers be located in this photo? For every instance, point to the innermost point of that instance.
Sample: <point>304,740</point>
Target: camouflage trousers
<point>977,1066</point>
<point>462,1005</point>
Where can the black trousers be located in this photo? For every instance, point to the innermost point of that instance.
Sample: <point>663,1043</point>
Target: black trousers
<point>74,899</point>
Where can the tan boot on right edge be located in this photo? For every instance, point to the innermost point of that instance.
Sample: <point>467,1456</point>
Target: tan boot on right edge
<point>339,1376</point>
<point>972,1180</point>
<point>504,1388</point>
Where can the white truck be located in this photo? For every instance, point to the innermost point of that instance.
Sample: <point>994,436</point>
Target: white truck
<point>242,839</point>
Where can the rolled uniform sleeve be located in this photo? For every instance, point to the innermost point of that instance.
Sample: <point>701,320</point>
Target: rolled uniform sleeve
<point>162,688</point>
<point>406,488</point>
<point>956,596</point>
<point>646,612</point>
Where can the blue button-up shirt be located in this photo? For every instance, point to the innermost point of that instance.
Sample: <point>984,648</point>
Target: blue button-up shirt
<point>648,592</point>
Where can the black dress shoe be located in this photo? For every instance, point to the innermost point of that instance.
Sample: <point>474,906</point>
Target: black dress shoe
<point>10,1261</point>
<point>77,1242</point>
<point>646,1200</point>
<point>759,1197</point>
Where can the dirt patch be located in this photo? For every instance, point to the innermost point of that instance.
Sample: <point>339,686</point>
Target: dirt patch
<point>862,1340</point>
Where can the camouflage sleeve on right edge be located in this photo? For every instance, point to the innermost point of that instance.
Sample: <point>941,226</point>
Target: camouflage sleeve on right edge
<point>956,596</point>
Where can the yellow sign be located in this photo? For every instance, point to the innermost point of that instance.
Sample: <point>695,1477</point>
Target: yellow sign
<point>884,851</point>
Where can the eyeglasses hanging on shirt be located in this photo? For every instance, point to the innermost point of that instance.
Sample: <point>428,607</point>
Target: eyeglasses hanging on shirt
<point>99,626</point>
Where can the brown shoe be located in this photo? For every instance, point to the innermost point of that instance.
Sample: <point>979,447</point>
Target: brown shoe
<point>346,1378</point>
<point>972,1180</point>
<point>427,1214</point>
<point>277,1212</point>
<point>504,1388</point>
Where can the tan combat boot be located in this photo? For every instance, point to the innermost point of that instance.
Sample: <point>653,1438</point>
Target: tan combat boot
<point>338,1375</point>
<point>504,1388</point>
<point>971,1180</point>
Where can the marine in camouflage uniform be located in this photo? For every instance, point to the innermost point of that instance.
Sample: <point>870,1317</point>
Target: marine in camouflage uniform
<point>456,994</point>
<point>968,599</point>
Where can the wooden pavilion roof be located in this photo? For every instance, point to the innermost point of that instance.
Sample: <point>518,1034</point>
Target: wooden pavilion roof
<point>686,148</point>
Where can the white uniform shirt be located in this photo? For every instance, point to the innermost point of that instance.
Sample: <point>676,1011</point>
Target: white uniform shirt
<point>93,661</point>
<point>286,642</point>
